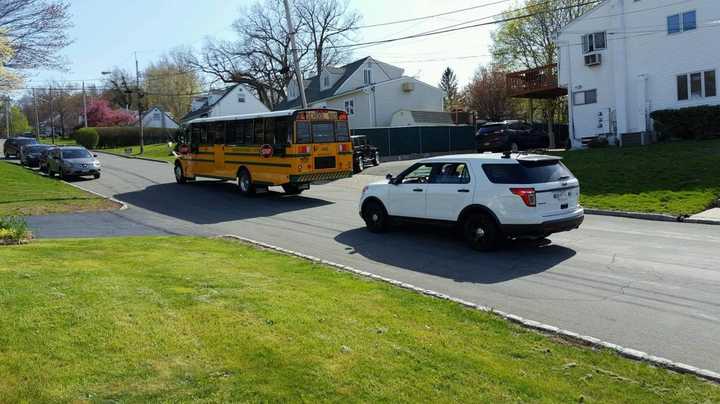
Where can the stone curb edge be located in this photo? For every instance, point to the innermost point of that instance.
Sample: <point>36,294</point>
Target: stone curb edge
<point>132,157</point>
<point>123,205</point>
<point>545,328</point>
<point>661,217</point>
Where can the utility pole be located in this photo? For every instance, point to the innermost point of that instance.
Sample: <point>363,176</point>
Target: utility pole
<point>84,105</point>
<point>296,61</point>
<point>140,96</point>
<point>52,118</point>
<point>37,116</point>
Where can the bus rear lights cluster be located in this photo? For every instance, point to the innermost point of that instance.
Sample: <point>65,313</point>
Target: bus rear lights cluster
<point>304,149</point>
<point>344,147</point>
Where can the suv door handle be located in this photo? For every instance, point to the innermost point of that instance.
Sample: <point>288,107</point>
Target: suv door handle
<point>417,190</point>
<point>463,190</point>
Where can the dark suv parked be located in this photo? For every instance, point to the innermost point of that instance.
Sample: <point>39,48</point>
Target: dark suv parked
<point>364,154</point>
<point>509,136</point>
<point>31,154</point>
<point>14,144</point>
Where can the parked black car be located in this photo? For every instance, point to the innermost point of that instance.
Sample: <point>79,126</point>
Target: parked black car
<point>14,144</point>
<point>30,154</point>
<point>509,135</point>
<point>364,154</point>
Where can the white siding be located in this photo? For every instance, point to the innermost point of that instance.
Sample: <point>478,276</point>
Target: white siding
<point>380,72</point>
<point>165,121</point>
<point>641,62</point>
<point>230,104</point>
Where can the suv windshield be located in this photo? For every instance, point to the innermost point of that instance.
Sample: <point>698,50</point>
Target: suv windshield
<point>21,142</point>
<point>76,154</point>
<point>35,148</point>
<point>527,172</point>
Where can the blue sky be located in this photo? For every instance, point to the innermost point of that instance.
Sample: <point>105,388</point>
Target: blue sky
<point>107,33</point>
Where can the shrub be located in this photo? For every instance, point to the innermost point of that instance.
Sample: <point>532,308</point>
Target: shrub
<point>688,123</point>
<point>126,136</point>
<point>87,137</point>
<point>13,230</point>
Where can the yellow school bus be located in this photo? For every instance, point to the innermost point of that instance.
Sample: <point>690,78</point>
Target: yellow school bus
<point>292,148</point>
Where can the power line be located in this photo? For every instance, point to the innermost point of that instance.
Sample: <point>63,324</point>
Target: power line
<point>431,16</point>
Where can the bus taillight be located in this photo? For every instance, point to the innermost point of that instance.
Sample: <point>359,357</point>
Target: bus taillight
<point>344,147</point>
<point>304,149</point>
<point>342,116</point>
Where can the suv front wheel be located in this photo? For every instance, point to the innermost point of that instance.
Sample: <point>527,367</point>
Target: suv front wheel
<point>375,216</point>
<point>480,232</point>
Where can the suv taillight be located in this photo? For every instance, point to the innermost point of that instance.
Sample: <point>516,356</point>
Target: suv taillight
<point>527,195</point>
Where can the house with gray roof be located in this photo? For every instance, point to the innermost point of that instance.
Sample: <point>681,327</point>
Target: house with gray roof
<point>233,100</point>
<point>369,90</point>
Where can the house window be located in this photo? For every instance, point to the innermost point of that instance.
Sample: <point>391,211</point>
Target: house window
<point>677,23</point>
<point>594,42</point>
<point>367,76</point>
<point>326,81</point>
<point>241,96</point>
<point>585,97</point>
<point>350,107</point>
<point>157,116</point>
<point>696,85</point>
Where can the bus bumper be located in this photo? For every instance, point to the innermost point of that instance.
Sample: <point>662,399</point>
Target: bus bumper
<point>319,177</point>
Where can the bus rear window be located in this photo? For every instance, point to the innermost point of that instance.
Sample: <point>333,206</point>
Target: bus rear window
<point>341,131</point>
<point>323,132</point>
<point>533,173</point>
<point>302,132</point>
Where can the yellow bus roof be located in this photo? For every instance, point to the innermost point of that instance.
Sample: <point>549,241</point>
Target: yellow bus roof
<point>273,114</point>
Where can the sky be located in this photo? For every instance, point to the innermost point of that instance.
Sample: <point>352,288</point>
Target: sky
<point>107,34</point>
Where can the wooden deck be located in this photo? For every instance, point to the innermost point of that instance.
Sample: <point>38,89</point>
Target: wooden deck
<point>540,82</point>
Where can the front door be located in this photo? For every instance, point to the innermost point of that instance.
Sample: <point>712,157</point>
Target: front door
<point>449,191</point>
<point>408,197</point>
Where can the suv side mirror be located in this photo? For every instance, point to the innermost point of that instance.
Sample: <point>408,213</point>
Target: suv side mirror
<point>389,177</point>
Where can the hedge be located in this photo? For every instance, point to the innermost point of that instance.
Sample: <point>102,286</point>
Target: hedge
<point>688,123</point>
<point>127,136</point>
<point>87,137</point>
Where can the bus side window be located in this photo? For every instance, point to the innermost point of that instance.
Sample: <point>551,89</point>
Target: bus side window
<point>283,135</point>
<point>231,133</point>
<point>259,132</point>
<point>269,131</point>
<point>195,137</point>
<point>216,133</point>
<point>247,131</point>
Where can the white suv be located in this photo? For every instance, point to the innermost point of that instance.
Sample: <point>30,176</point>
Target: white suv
<point>490,196</point>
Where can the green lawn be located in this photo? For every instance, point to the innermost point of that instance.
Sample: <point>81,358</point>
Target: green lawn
<point>153,151</point>
<point>187,319</point>
<point>676,178</point>
<point>24,192</point>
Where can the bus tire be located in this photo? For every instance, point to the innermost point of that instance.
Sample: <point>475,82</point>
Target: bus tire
<point>244,182</point>
<point>292,189</point>
<point>179,174</point>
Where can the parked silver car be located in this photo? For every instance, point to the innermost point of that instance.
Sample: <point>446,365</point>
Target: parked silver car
<point>72,162</point>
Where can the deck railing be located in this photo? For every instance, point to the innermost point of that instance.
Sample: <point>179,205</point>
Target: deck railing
<point>541,82</point>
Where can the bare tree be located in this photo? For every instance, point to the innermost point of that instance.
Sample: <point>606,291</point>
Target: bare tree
<point>36,31</point>
<point>323,26</point>
<point>487,94</point>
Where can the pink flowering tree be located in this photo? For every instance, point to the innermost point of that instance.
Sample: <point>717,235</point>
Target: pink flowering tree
<point>100,113</point>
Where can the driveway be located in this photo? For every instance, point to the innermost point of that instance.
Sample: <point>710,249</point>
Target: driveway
<point>653,286</point>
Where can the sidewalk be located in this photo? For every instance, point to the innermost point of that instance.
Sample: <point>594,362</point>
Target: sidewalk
<point>709,215</point>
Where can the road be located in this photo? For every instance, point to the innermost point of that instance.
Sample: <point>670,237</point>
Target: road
<point>652,286</point>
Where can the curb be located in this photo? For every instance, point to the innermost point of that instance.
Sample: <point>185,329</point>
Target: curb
<point>658,217</point>
<point>535,325</point>
<point>123,205</point>
<point>132,157</point>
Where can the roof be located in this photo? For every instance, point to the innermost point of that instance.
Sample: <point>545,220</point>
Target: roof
<point>161,110</point>
<point>207,107</point>
<point>313,92</point>
<point>492,157</point>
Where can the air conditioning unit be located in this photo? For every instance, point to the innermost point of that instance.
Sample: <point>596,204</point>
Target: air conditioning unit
<point>593,59</point>
<point>408,86</point>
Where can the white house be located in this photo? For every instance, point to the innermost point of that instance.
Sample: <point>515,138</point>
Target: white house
<point>156,117</point>
<point>370,92</point>
<point>233,100</point>
<point>626,58</point>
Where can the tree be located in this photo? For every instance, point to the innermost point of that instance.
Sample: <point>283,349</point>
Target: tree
<point>448,83</point>
<point>170,82</point>
<point>8,79</point>
<point>36,30</point>
<point>261,56</point>
<point>487,94</point>
<point>101,114</point>
<point>18,120</point>
<point>527,43</point>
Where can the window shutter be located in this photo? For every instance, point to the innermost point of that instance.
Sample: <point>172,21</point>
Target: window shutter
<point>710,85</point>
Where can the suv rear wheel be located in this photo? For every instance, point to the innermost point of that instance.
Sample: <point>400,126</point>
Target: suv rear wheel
<point>376,219</point>
<point>480,232</point>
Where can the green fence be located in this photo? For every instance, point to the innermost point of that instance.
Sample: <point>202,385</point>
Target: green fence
<point>419,139</point>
